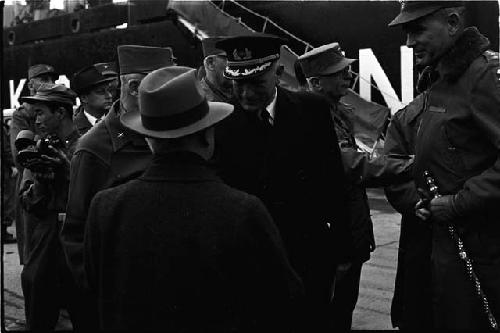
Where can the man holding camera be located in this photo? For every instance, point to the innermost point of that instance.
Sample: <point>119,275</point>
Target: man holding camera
<point>24,119</point>
<point>46,281</point>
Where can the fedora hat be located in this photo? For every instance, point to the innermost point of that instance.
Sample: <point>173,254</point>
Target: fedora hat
<point>172,105</point>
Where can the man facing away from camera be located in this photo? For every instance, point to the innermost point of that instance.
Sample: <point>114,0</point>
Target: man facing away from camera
<point>177,249</point>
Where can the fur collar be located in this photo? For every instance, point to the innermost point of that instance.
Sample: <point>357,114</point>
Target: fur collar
<point>470,45</point>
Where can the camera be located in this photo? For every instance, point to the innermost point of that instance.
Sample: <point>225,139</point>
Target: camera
<point>30,151</point>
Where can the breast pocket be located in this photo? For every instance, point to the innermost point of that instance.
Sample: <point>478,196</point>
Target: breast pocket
<point>452,154</point>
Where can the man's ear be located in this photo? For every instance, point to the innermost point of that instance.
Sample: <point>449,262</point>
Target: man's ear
<point>209,63</point>
<point>315,83</point>
<point>133,87</point>
<point>83,99</point>
<point>454,22</point>
<point>60,113</point>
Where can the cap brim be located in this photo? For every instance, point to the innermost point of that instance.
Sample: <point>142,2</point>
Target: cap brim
<point>247,72</point>
<point>403,18</point>
<point>338,67</point>
<point>104,80</point>
<point>37,99</point>
<point>217,112</point>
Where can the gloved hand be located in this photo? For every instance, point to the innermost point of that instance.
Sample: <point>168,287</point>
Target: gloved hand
<point>443,209</point>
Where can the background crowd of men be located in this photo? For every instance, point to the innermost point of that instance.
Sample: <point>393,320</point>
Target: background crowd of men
<point>214,199</point>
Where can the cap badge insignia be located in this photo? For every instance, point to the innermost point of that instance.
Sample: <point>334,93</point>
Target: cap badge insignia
<point>242,54</point>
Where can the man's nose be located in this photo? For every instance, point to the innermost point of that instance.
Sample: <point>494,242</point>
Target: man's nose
<point>246,91</point>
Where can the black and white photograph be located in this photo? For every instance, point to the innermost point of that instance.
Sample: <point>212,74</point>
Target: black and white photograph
<point>250,166</point>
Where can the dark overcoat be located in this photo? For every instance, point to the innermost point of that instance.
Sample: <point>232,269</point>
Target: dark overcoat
<point>295,168</point>
<point>458,141</point>
<point>108,155</point>
<point>178,250</point>
<point>411,306</point>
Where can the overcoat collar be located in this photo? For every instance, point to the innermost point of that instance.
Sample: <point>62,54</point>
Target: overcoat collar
<point>469,46</point>
<point>120,135</point>
<point>179,166</point>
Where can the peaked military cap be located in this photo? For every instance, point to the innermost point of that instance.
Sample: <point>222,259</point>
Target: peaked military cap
<point>208,45</point>
<point>143,59</point>
<point>324,60</point>
<point>412,10</point>
<point>40,69</point>
<point>250,55</point>
<point>107,68</point>
<point>88,77</point>
<point>49,92</point>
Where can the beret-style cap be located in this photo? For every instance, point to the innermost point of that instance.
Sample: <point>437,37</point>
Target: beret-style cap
<point>143,59</point>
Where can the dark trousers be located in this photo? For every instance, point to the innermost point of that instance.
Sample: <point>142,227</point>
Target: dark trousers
<point>345,297</point>
<point>48,285</point>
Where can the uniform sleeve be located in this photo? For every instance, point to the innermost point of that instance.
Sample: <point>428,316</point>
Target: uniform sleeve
<point>19,123</point>
<point>483,190</point>
<point>375,172</point>
<point>34,197</point>
<point>276,291</point>
<point>88,174</point>
<point>403,196</point>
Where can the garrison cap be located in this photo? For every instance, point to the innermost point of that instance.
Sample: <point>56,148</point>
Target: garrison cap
<point>324,60</point>
<point>89,77</point>
<point>208,45</point>
<point>250,55</point>
<point>412,10</point>
<point>40,69</point>
<point>143,59</point>
<point>107,68</point>
<point>49,92</point>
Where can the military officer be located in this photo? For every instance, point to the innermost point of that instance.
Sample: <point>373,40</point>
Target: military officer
<point>24,119</point>
<point>328,73</point>
<point>458,142</point>
<point>281,146</point>
<point>109,154</point>
<point>96,95</point>
<point>46,281</point>
<point>217,88</point>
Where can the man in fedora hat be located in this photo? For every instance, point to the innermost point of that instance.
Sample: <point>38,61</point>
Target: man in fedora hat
<point>281,146</point>
<point>205,257</point>
<point>217,88</point>
<point>95,91</point>
<point>458,143</point>
<point>328,73</point>
<point>46,281</point>
<point>24,119</point>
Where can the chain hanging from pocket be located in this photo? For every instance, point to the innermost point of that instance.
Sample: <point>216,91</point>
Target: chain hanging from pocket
<point>462,253</point>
